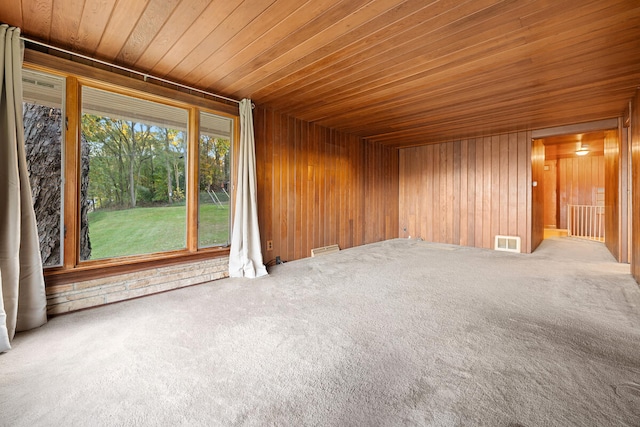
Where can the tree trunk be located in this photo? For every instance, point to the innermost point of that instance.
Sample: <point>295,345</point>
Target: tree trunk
<point>42,130</point>
<point>85,242</point>
<point>43,145</point>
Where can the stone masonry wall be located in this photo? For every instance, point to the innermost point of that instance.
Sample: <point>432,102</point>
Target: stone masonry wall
<point>92,293</point>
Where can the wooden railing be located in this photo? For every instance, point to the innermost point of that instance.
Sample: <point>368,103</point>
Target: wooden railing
<point>586,221</point>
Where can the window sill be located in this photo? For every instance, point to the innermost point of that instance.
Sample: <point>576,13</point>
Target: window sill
<point>95,269</point>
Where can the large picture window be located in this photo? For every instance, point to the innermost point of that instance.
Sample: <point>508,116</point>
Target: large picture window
<point>133,163</point>
<point>43,112</point>
<point>214,178</point>
<point>122,177</point>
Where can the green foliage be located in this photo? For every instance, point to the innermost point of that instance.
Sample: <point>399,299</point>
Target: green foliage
<point>137,182</point>
<point>131,162</point>
<point>213,162</point>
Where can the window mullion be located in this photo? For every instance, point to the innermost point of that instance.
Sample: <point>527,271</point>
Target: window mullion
<point>193,192</point>
<point>71,173</point>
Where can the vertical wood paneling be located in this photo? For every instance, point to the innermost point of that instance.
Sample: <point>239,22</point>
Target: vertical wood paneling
<point>435,218</point>
<point>471,199</point>
<point>479,192</point>
<point>445,193</point>
<point>578,181</point>
<point>537,194</point>
<point>635,186</point>
<point>265,212</point>
<point>513,184</point>
<point>625,182</point>
<point>611,178</point>
<point>318,187</point>
<point>487,195</point>
<point>503,221</point>
<point>550,193</point>
<point>453,187</point>
<point>524,187</point>
<point>465,192</point>
<point>291,187</point>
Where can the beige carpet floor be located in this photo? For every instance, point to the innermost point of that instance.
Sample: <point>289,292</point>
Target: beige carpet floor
<point>401,332</point>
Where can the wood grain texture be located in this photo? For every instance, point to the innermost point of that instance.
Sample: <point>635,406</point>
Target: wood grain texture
<point>400,73</point>
<point>71,174</point>
<point>225,26</point>
<point>155,17</point>
<point>95,16</point>
<point>537,194</point>
<point>11,13</point>
<point>123,19</point>
<point>318,187</point>
<point>463,192</point>
<point>578,181</point>
<point>36,15</point>
<point>65,21</point>
<point>164,36</point>
<point>116,79</point>
<point>550,194</point>
<point>635,166</point>
<point>625,193</point>
<point>612,160</point>
<point>193,179</point>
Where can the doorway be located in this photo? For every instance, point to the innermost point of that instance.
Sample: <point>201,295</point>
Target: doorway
<point>573,187</point>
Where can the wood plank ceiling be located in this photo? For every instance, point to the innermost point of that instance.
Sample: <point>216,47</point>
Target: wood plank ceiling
<point>565,146</point>
<point>400,72</point>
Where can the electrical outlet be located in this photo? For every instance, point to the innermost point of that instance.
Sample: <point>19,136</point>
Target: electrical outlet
<point>269,245</point>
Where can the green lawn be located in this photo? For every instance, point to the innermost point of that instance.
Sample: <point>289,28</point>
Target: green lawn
<point>147,230</point>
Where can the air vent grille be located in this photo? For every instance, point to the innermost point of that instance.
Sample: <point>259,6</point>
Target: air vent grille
<point>507,243</point>
<point>324,250</point>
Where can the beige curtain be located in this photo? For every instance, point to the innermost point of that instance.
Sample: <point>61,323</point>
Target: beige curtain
<point>23,300</point>
<point>245,256</point>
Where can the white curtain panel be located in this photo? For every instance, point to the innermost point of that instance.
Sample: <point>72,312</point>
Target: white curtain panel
<point>23,298</point>
<point>245,257</point>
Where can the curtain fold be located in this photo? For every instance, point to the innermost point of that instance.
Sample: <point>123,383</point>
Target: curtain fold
<point>22,294</point>
<point>245,257</point>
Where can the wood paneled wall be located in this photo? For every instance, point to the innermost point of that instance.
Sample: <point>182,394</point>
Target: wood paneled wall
<point>465,192</point>
<point>612,182</point>
<point>635,186</point>
<point>318,187</point>
<point>551,218</point>
<point>537,193</point>
<point>578,181</point>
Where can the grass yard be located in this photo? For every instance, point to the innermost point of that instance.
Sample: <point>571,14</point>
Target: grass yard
<point>157,229</point>
<point>214,223</point>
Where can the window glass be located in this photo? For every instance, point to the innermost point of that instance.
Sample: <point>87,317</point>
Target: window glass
<point>133,186</point>
<point>214,175</point>
<point>43,112</point>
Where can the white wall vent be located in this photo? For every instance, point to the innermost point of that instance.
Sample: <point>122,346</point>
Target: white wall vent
<point>507,243</point>
<point>325,250</point>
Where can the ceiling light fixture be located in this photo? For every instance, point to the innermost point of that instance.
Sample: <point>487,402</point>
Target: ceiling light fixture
<point>583,150</point>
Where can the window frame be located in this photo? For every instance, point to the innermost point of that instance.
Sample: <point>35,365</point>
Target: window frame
<point>78,75</point>
<point>89,83</point>
<point>63,136</point>
<point>235,140</point>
